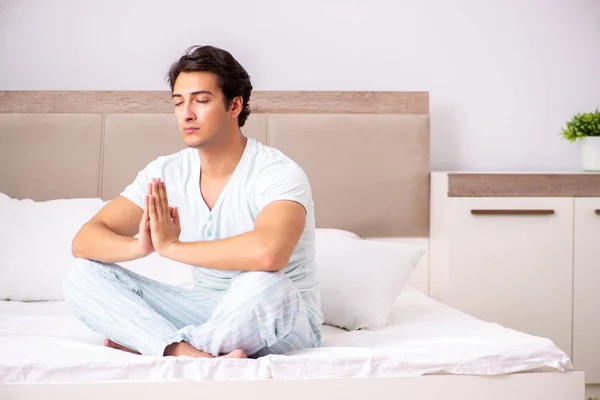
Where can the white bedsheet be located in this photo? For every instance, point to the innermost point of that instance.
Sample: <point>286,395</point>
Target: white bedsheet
<point>42,342</point>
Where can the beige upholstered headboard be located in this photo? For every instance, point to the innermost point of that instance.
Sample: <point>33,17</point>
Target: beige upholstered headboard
<point>366,153</point>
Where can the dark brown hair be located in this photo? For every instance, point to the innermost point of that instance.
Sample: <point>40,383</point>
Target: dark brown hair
<point>232,78</point>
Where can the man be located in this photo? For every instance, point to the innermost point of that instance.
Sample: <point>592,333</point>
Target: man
<point>238,211</point>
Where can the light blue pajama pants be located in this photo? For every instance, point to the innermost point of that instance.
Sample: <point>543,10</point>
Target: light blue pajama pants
<point>261,312</point>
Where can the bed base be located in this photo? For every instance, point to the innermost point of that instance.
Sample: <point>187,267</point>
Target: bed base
<point>523,386</point>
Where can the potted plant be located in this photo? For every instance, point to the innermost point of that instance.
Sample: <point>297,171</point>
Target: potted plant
<point>586,128</point>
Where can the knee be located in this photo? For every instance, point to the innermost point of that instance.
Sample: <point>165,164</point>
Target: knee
<point>80,269</point>
<point>82,272</point>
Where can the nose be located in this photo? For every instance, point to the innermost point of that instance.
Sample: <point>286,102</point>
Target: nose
<point>188,113</point>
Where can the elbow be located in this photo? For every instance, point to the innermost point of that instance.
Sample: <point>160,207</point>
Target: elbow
<point>76,249</point>
<point>270,263</point>
<point>78,243</point>
<point>270,259</point>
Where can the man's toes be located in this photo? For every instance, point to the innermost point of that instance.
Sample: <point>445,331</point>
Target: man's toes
<point>113,345</point>
<point>236,354</point>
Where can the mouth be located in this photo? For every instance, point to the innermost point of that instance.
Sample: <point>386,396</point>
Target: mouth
<point>188,131</point>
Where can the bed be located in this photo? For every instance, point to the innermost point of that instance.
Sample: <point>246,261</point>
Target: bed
<point>42,342</point>
<point>68,145</point>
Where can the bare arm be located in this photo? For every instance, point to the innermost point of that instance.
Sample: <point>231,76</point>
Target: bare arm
<point>108,236</point>
<point>268,247</point>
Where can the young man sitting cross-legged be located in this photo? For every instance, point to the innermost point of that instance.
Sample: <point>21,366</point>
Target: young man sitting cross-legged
<point>238,211</point>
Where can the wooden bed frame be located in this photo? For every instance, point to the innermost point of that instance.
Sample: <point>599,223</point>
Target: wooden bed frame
<point>91,144</point>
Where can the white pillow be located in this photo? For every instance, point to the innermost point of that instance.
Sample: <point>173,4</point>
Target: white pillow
<point>35,248</point>
<point>325,233</point>
<point>35,244</point>
<point>360,279</point>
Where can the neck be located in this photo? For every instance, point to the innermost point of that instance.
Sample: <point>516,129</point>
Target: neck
<point>219,162</point>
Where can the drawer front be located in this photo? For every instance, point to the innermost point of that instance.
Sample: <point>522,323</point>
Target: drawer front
<point>510,261</point>
<point>586,307</point>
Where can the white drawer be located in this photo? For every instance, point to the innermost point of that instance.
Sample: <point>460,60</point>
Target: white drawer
<point>586,307</point>
<point>510,262</point>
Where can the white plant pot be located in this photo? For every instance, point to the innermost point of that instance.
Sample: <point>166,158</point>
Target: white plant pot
<point>590,153</point>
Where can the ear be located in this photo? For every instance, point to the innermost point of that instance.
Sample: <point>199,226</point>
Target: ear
<point>237,104</point>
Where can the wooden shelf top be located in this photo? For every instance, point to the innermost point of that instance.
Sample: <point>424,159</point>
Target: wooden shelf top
<point>570,184</point>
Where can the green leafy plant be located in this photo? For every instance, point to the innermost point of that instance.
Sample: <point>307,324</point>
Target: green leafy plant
<point>582,125</point>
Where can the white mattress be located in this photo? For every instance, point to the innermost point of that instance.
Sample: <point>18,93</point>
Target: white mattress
<point>42,342</point>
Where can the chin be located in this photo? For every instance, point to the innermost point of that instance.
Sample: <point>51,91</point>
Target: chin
<point>193,141</point>
<point>196,141</point>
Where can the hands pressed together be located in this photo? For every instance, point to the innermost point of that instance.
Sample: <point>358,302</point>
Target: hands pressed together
<point>160,226</point>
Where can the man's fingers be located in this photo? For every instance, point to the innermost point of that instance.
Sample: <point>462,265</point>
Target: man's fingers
<point>159,203</point>
<point>152,208</point>
<point>163,196</point>
<point>176,216</point>
<point>149,194</point>
<point>156,197</point>
<point>145,215</point>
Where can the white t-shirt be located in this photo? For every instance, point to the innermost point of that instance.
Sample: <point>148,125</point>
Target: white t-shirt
<point>263,175</point>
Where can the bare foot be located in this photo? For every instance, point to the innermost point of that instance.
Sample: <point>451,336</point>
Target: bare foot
<point>186,349</point>
<point>179,349</point>
<point>235,354</point>
<point>113,345</point>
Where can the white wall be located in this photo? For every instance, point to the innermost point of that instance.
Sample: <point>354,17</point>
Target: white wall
<point>503,75</point>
